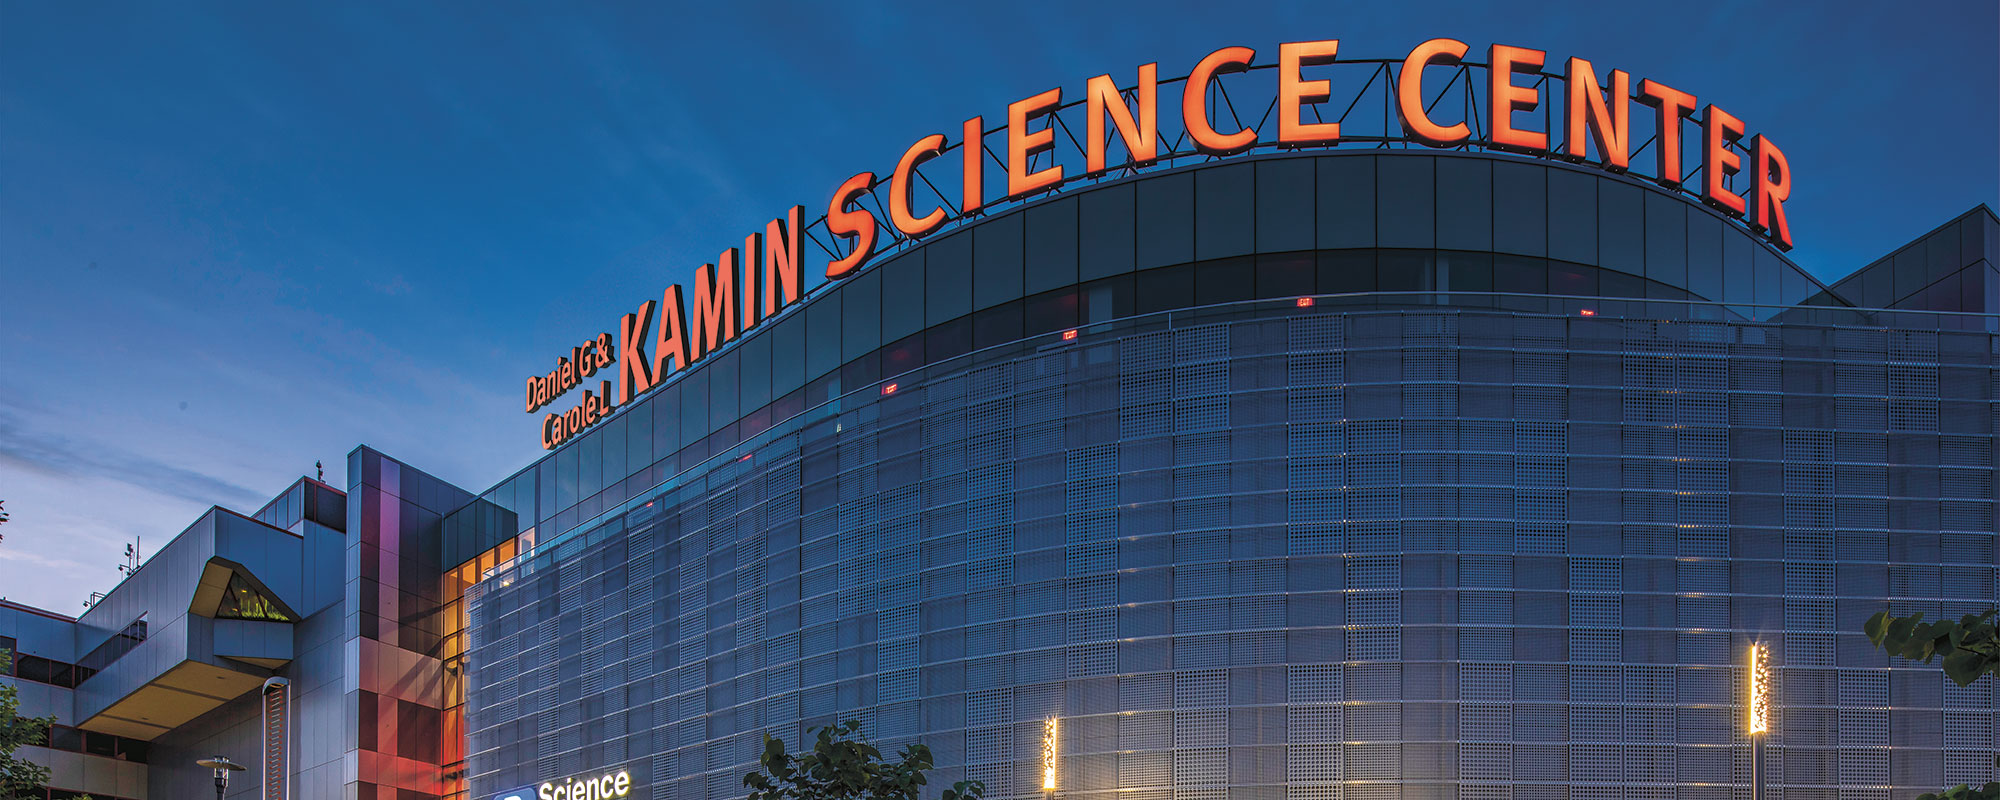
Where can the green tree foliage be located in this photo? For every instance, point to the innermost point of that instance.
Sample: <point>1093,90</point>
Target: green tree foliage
<point>844,766</point>
<point>1966,650</point>
<point>18,778</point>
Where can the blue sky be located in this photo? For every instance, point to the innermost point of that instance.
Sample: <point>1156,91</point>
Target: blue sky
<point>236,238</point>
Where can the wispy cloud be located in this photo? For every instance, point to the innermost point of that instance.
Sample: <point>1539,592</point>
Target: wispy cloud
<point>40,450</point>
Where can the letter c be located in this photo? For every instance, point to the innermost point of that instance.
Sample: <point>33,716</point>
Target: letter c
<point>1194,103</point>
<point>906,221</point>
<point>1410,94</point>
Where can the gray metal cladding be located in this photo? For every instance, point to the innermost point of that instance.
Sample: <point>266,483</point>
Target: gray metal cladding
<point>1423,553</point>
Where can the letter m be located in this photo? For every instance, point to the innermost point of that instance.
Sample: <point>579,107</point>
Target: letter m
<point>715,304</point>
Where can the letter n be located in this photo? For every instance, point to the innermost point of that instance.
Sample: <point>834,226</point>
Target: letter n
<point>783,240</point>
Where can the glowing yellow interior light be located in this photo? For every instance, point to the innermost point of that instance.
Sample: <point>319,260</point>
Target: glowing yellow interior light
<point>1049,754</point>
<point>1760,689</point>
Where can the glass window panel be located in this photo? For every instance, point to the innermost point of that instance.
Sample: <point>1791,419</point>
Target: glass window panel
<point>1976,241</point>
<point>1656,290</point>
<point>1286,274</point>
<point>861,371</point>
<point>1106,237</point>
<point>1465,203</point>
<point>1877,283</point>
<point>754,363</point>
<point>997,325</point>
<point>1345,213</point>
<point>903,295</point>
<point>1405,194</point>
<point>903,355</point>
<point>1404,271</point>
<point>1166,220</point>
<point>614,448</point>
<point>1520,223</point>
<point>996,261</point>
<point>1942,249</point>
<point>548,487</point>
<point>948,340</point>
<point>1910,273</point>
<point>1704,254</point>
<point>666,423</point>
<point>788,355</point>
<point>1568,280</point>
<point>1050,311</point>
<point>1225,280</point>
<point>948,278</point>
<point>1346,272</point>
<point>861,315</point>
<point>1051,246</point>
<point>694,405</point>
<point>1224,211</point>
<point>1621,229</point>
<point>1165,288</point>
<point>1108,299</point>
<point>1769,281</point>
<point>1795,287</point>
<point>1519,275</point>
<point>1739,277</point>
<point>1465,272</point>
<point>1666,239</point>
<point>566,477</point>
<point>638,435</point>
<point>1972,288</point>
<point>1285,219</point>
<point>722,390</point>
<point>1612,283</point>
<point>822,336</point>
<point>590,462</point>
<point>1572,216</point>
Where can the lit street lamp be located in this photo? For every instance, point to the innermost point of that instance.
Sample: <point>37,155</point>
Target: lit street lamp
<point>222,766</point>
<point>1760,715</point>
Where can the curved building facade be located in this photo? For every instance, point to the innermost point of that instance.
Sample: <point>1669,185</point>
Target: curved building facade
<point>1381,465</point>
<point>1365,475</point>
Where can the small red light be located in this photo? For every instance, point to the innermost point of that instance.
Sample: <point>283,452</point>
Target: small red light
<point>888,388</point>
<point>1305,302</point>
<point>1068,335</point>
<point>1588,312</point>
<point>746,457</point>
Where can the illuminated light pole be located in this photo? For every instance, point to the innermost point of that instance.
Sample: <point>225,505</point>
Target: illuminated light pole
<point>222,766</point>
<point>1760,715</point>
<point>1049,756</point>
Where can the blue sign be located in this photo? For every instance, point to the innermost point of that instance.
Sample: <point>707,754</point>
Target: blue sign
<point>523,793</point>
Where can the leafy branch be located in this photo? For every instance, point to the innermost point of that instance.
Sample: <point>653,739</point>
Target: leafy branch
<point>1966,650</point>
<point>844,766</point>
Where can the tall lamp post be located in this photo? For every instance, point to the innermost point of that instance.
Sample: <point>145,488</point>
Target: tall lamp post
<point>1760,715</point>
<point>222,766</point>
<point>1049,758</point>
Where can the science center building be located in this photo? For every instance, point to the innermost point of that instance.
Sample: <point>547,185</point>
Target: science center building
<point>1462,443</point>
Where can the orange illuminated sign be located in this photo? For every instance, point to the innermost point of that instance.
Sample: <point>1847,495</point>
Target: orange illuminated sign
<point>1743,176</point>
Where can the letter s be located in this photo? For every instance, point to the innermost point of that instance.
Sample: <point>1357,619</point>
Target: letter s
<point>857,224</point>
